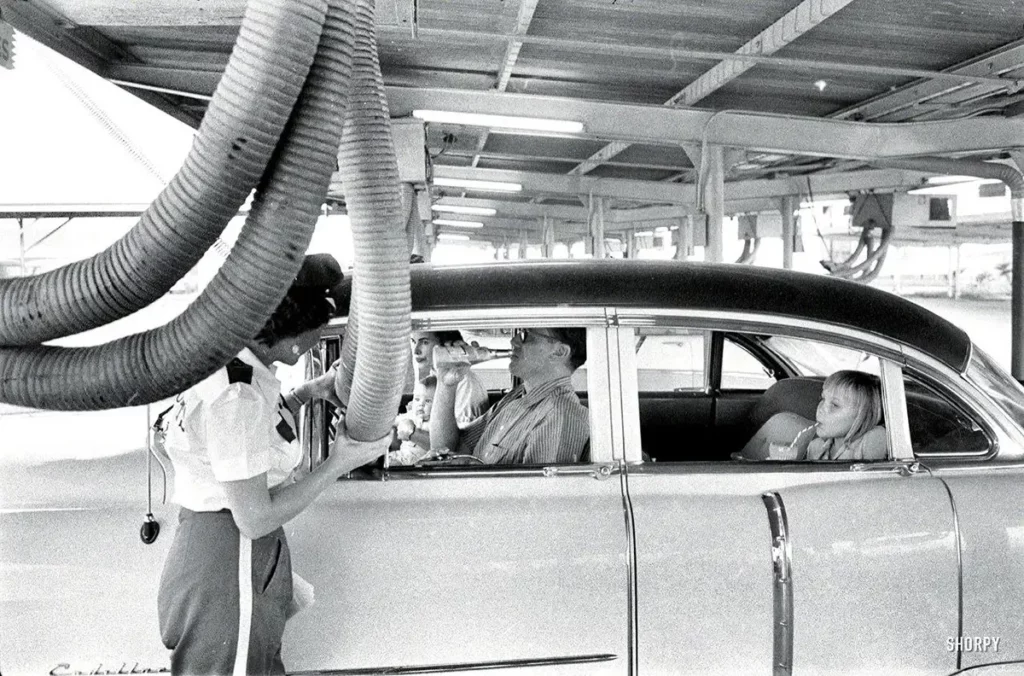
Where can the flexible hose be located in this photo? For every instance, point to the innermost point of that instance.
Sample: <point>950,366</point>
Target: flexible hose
<point>380,295</point>
<point>263,78</point>
<point>155,364</point>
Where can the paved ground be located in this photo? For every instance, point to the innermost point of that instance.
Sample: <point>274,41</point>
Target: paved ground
<point>986,321</point>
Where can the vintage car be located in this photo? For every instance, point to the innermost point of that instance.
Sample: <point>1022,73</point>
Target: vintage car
<point>658,553</point>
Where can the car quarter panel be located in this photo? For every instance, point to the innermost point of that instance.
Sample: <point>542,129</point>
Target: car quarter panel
<point>990,511</point>
<point>78,588</point>
<point>471,569</point>
<point>875,573</point>
<point>873,562</point>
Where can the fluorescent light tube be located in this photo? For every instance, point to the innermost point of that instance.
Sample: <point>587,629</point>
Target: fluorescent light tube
<point>460,209</point>
<point>501,121</point>
<point>496,186</point>
<point>458,224</point>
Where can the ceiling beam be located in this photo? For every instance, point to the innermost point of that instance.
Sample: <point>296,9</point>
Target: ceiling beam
<point>1000,65</point>
<point>795,23</point>
<point>787,134</point>
<point>523,19</point>
<point>647,192</point>
<point>675,52</point>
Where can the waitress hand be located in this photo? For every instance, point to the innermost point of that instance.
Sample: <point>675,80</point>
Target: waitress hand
<point>348,454</point>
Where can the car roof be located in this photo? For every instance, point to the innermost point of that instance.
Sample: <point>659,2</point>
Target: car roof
<point>687,286</point>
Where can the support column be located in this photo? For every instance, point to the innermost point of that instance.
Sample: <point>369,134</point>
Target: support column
<point>524,244</point>
<point>21,246</point>
<point>684,239</point>
<point>548,238</point>
<point>415,223</point>
<point>956,272</point>
<point>595,216</point>
<point>787,205</point>
<point>1017,303</point>
<point>714,203</point>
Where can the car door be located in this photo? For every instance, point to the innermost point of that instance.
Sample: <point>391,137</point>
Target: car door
<point>520,569</point>
<point>802,568</point>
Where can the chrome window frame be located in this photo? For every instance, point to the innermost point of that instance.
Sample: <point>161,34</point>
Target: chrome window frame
<point>1004,435</point>
<point>606,446</point>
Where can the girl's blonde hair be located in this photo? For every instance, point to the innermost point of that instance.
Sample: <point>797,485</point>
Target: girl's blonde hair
<point>867,391</point>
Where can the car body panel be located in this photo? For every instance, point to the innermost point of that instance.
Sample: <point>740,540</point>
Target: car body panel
<point>704,570</point>
<point>990,513</point>
<point>422,570</point>
<point>78,587</point>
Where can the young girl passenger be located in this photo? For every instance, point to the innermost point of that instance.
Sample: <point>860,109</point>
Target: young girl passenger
<point>846,425</point>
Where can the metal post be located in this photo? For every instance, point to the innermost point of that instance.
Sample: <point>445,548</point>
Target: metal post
<point>1017,303</point>
<point>956,273</point>
<point>951,271</point>
<point>714,204</point>
<point>787,205</point>
<point>597,227</point>
<point>21,246</point>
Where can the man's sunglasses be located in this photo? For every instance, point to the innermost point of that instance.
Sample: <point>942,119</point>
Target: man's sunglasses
<point>524,335</point>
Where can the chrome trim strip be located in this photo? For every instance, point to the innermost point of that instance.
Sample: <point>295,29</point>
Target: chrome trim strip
<point>782,589</point>
<point>427,320</point>
<point>959,572</point>
<point>748,322</point>
<point>632,615</point>
<point>601,470</point>
<point>463,666</point>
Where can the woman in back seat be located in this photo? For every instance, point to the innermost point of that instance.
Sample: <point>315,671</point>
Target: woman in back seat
<point>846,425</point>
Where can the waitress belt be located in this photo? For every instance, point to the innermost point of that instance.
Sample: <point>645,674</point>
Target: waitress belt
<point>224,598</point>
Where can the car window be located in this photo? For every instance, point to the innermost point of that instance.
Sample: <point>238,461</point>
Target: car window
<point>940,426</point>
<point>670,360</point>
<point>508,442</point>
<point>815,358</point>
<point>742,371</point>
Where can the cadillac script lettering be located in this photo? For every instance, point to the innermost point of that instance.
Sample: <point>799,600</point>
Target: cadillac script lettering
<point>64,669</point>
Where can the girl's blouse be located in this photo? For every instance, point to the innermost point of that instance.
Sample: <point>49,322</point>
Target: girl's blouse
<point>871,446</point>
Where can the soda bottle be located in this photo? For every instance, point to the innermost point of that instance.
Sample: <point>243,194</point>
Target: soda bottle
<point>466,354</point>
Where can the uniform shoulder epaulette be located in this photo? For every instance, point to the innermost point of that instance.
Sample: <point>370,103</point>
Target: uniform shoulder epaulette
<point>239,371</point>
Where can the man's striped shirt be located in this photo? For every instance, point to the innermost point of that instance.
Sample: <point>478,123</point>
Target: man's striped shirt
<point>546,425</point>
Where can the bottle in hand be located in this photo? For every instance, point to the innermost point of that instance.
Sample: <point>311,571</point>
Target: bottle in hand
<point>466,354</point>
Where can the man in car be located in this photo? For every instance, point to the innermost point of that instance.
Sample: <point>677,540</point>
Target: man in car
<point>540,421</point>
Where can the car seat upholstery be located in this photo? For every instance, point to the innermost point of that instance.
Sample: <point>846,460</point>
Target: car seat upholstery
<point>798,395</point>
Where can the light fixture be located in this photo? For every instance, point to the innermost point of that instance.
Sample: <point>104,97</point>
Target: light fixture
<point>495,186</point>
<point>935,190</point>
<point>458,224</point>
<point>453,237</point>
<point>500,121</point>
<point>460,209</point>
<point>944,180</point>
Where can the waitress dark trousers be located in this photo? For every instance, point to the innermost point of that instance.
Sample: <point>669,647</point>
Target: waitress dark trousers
<point>223,597</point>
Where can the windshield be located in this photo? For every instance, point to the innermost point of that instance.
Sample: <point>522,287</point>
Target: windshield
<point>991,378</point>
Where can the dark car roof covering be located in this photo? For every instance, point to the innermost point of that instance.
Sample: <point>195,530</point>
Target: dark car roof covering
<point>691,286</point>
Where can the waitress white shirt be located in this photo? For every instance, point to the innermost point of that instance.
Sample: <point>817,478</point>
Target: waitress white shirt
<point>231,426</point>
